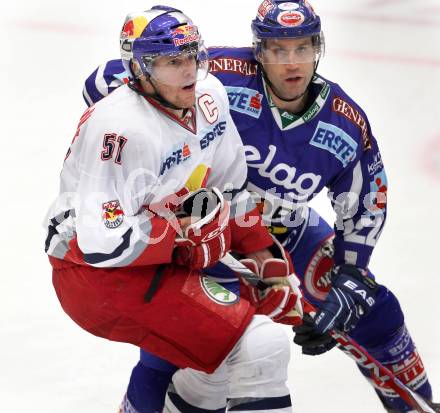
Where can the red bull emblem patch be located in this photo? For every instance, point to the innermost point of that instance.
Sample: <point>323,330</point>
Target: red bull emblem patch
<point>112,214</point>
<point>290,18</point>
<point>185,34</point>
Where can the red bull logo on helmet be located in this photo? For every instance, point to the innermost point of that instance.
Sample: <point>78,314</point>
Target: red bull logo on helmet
<point>134,27</point>
<point>185,34</point>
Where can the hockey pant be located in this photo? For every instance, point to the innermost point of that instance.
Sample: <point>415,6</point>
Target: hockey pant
<point>177,324</point>
<point>383,332</point>
<point>151,376</point>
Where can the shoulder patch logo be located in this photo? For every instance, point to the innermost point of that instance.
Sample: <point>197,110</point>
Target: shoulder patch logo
<point>245,100</point>
<point>336,141</point>
<point>217,292</point>
<point>112,214</point>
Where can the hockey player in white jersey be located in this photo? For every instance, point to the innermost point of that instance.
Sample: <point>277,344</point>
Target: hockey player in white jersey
<point>130,247</point>
<point>304,133</point>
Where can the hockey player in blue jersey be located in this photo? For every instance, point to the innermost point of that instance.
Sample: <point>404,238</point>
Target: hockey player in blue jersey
<point>302,133</point>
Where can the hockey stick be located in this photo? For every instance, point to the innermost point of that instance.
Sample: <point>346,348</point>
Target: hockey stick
<point>347,345</point>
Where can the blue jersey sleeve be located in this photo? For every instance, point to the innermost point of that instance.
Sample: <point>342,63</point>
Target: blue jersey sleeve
<point>104,80</point>
<point>358,196</point>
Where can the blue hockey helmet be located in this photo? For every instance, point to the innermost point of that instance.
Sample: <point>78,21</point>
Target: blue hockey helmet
<point>280,19</point>
<point>160,31</point>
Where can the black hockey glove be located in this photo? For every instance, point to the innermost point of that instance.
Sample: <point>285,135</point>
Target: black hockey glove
<point>312,342</point>
<point>352,295</point>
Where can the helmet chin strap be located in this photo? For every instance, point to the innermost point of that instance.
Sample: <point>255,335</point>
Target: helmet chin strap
<point>156,95</point>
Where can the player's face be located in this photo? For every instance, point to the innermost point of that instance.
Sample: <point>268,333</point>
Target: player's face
<point>175,79</point>
<point>289,65</point>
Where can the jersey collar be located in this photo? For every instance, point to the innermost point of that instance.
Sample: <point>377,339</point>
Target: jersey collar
<point>188,121</point>
<point>286,120</point>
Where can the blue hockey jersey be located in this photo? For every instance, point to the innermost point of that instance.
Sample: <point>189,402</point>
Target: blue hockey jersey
<point>291,157</point>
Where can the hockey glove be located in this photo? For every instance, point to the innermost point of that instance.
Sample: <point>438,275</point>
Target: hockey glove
<point>312,343</point>
<point>352,295</point>
<point>207,239</point>
<point>282,302</point>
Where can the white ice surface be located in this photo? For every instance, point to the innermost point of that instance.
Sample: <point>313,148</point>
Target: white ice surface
<point>386,54</point>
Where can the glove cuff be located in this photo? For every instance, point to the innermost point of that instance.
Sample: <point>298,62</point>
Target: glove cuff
<point>354,272</point>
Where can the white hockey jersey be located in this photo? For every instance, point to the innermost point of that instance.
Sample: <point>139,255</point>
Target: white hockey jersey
<point>129,160</point>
